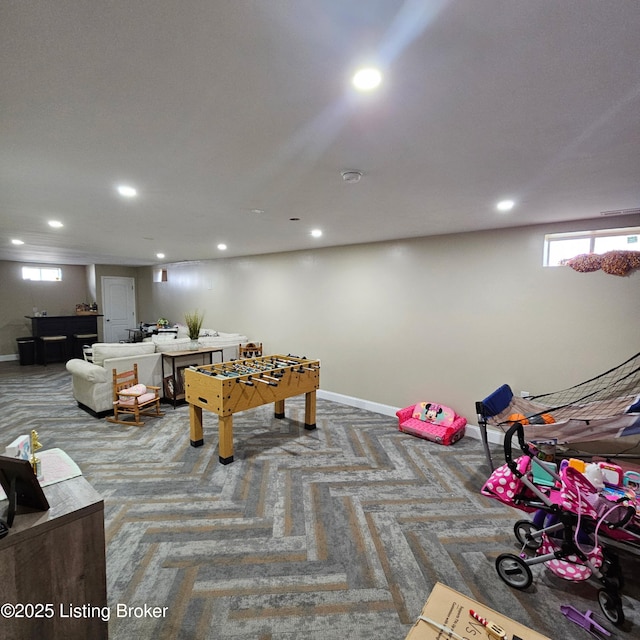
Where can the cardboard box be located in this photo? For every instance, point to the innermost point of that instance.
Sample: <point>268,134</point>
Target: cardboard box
<point>19,448</point>
<point>451,609</point>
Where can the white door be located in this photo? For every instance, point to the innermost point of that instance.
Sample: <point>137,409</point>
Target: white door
<point>119,307</point>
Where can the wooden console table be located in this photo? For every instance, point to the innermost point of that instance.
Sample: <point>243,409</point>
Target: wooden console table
<point>174,384</point>
<point>57,558</point>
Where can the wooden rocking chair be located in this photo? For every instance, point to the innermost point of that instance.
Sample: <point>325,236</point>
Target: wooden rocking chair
<point>131,398</point>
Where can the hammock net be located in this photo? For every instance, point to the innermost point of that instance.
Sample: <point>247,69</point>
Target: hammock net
<point>607,405</point>
<point>605,396</point>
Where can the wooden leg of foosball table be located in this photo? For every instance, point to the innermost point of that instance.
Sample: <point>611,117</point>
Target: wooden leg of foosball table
<point>195,420</point>
<point>279,409</point>
<point>310,410</point>
<point>225,439</point>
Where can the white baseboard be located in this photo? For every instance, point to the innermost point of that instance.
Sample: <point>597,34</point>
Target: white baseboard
<point>472,430</point>
<point>493,435</point>
<point>359,403</point>
<point>9,357</point>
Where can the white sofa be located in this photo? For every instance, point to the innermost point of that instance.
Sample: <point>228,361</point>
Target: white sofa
<point>92,381</point>
<point>180,341</point>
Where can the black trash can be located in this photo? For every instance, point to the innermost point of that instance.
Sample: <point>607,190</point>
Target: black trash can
<point>27,350</point>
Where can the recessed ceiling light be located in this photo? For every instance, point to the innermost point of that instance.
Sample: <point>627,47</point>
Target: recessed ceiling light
<point>56,224</point>
<point>16,241</point>
<point>367,79</point>
<point>222,246</point>
<point>505,205</point>
<point>160,255</point>
<point>316,233</point>
<point>127,191</point>
<point>257,211</point>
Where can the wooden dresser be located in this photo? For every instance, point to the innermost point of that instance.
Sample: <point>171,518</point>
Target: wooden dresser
<point>53,567</point>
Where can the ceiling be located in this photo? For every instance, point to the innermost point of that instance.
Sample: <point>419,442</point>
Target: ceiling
<point>214,110</point>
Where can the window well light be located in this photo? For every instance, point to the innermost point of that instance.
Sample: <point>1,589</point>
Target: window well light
<point>316,233</point>
<point>367,79</point>
<point>127,191</point>
<point>222,246</point>
<point>505,205</point>
<point>55,224</point>
<point>16,241</point>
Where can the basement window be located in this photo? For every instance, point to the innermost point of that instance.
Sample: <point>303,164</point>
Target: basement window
<point>42,274</point>
<point>559,247</point>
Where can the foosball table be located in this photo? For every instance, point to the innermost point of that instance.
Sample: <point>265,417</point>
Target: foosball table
<point>228,387</point>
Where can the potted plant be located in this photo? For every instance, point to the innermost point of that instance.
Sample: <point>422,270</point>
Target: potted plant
<point>194,324</point>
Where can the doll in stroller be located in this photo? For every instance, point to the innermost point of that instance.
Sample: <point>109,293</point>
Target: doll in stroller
<point>574,528</point>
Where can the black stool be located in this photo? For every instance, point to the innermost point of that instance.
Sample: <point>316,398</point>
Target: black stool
<point>51,342</point>
<point>81,340</point>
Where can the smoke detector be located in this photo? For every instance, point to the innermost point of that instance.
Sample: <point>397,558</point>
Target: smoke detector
<point>351,176</point>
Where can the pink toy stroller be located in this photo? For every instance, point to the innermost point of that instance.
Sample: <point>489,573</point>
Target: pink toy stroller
<point>572,529</point>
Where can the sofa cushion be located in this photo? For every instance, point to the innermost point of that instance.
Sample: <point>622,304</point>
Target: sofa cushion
<point>130,402</point>
<point>135,390</point>
<point>178,344</point>
<point>164,337</point>
<point>88,371</point>
<point>106,350</point>
<point>183,331</point>
<point>222,339</point>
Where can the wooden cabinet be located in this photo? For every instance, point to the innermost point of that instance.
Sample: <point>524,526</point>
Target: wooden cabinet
<point>53,568</point>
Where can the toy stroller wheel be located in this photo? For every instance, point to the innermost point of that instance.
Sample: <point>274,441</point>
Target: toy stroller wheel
<point>523,529</point>
<point>611,570</point>
<point>514,571</point>
<point>611,606</point>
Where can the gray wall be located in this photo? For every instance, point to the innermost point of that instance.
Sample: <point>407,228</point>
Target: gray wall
<point>445,318</point>
<point>19,297</point>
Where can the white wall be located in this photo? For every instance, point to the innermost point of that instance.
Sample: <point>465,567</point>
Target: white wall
<point>445,318</point>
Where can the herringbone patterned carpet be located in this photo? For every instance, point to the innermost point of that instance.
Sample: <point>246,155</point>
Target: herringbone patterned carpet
<point>329,534</point>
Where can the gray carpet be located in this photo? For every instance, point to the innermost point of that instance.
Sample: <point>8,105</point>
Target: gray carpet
<point>329,534</point>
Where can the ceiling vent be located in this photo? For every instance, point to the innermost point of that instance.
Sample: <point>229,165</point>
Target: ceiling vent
<point>620,212</point>
<point>351,176</point>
